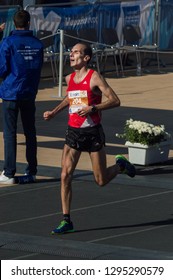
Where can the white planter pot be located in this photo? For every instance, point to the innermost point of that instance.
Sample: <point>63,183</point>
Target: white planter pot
<point>146,155</point>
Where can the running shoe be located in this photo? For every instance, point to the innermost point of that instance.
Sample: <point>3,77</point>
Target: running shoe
<point>6,180</point>
<point>126,166</point>
<point>64,227</point>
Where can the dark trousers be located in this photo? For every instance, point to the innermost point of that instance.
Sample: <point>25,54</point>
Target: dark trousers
<point>11,110</point>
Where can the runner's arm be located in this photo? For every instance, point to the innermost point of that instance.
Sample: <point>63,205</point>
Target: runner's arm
<point>51,114</point>
<point>111,99</point>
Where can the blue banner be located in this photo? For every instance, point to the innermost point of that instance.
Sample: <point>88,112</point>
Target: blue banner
<point>54,18</point>
<point>109,16</point>
<point>98,16</point>
<point>165,25</point>
<point>132,15</point>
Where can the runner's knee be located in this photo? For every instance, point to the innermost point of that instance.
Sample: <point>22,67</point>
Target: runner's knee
<point>66,176</point>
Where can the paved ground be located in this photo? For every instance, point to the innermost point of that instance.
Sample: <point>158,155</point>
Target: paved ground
<point>127,219</point>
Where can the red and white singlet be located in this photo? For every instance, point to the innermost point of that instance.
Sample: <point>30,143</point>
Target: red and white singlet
<point>80,95</point>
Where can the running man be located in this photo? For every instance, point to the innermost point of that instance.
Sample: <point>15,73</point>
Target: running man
<point>84,132</point>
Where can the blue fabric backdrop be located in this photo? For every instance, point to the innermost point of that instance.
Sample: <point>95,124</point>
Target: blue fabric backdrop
<point>100,15</point>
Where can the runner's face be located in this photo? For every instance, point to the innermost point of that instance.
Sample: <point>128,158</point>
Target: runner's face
<point>77,57</point>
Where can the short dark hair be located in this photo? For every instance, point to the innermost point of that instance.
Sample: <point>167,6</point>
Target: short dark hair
<point>21,19</point>
<point>87,50</point>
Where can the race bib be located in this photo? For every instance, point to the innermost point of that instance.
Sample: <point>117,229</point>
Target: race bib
<point>77,100</point>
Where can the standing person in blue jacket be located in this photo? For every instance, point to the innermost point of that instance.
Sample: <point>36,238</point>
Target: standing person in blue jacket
<point>21,59</point>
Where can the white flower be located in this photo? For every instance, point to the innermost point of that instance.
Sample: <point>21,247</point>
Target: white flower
<point>144,133</point>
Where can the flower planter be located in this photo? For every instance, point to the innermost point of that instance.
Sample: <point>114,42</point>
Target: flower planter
<point>146,155</point>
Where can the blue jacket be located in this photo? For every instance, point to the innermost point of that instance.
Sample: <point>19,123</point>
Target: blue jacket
<point>21,59</point>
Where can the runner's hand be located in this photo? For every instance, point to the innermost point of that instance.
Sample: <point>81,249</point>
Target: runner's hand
<point>48,115</point>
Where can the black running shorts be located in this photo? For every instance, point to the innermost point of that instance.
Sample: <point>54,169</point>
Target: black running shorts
<point>89,139</point>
